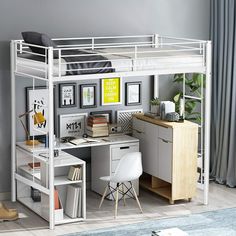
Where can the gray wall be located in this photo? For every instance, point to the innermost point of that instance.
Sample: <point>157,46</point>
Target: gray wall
<point>61,18</point>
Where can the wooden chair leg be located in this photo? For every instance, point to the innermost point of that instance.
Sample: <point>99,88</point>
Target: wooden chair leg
<point>103,196</point>
<point>123,191</point>
<point>117,198</point>
<point>136,198</point>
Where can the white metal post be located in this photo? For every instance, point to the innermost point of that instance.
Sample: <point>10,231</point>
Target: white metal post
<point>13,122</point>
<point>84,191</point>
<point>51,136</point>
<point>156,77</point>
<point>207,122</point>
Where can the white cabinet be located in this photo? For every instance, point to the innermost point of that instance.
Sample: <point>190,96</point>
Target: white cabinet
<point>156,147</point>
<point>169,156</point>
<point>104,161</point>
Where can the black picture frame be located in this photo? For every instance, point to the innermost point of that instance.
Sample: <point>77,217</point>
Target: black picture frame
<point>69,94</point>
<point>84,103</point>
<point>106,112</point>
<point>135,100</point>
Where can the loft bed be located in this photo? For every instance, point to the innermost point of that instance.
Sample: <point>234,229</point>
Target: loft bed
<point>88,58</point>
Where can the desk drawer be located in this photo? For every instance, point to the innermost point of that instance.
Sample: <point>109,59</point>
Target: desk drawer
<point>165,133</point>
<point>118,151</point>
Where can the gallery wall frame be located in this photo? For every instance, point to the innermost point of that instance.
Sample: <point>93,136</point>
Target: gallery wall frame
<point>133,93</point>
<point>111,91</point>
<point>72,125</point>
<point>67,95</point>
<point>88,95</point>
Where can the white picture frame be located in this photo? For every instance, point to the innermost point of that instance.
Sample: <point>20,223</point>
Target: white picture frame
<point>37,100</point>
<point>72,125</point>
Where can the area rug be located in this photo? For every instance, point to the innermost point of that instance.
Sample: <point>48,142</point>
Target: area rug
<point>213,223</point>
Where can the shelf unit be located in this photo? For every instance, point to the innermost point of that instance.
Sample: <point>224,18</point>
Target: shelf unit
<point>132,45</point>
<point>27,178</point>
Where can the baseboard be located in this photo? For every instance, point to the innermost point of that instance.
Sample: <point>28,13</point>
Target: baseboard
<point>5,196</point>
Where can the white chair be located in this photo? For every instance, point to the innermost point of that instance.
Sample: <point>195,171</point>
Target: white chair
<point>128,169</point>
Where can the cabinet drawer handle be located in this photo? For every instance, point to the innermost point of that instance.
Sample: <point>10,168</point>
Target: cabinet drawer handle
<point>139,132</point>
<point>165,141</point>
<point>127,147</point>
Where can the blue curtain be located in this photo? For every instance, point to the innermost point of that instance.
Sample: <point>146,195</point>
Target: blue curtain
<point>223,123</point>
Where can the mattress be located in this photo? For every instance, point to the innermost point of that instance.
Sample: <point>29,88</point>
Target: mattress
<point>122,60</point>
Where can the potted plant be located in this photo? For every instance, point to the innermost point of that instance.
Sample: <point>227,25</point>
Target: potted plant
<point>155,106</point>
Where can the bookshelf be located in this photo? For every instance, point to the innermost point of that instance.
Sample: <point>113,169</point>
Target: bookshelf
<point>39,179</point>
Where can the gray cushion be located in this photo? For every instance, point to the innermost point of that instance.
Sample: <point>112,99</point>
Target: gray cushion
<point>38,39</point>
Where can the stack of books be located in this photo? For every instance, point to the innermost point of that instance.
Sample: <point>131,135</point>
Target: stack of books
<point>34,169</point>
<point>35,165</point>
<point>97,126</point>
<point>74,201</point>
<point>74,173</point>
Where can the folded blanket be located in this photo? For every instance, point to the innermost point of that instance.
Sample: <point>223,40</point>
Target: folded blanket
<point>89,65</point>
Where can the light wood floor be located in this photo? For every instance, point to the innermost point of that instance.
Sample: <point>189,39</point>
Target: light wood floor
<point>154,207</point>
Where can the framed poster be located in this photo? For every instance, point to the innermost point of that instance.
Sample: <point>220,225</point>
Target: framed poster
<point>133,93</point>
<point>88,94</point>
<point>111,91</point>
<point>67,95</point>
<point>37,100</point>
<point>107,114</point>
<point>72,125</point>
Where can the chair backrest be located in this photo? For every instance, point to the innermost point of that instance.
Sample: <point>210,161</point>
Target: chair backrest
<point>129,168</point>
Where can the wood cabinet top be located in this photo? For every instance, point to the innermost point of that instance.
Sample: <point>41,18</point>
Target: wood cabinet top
<point>164,123</point>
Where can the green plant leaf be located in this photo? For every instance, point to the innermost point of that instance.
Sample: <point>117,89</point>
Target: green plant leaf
<point>177,97</point>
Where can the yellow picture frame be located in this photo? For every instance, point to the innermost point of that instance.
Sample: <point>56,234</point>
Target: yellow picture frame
<point>111,91</point>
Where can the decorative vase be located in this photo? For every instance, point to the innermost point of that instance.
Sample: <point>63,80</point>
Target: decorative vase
<point>155,109</point>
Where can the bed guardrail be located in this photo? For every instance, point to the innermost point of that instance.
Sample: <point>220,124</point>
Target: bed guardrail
<point>93,54</point>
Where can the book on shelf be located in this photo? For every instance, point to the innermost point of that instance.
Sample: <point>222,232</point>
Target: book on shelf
<point>75,173</point>
<point>73,201</point>
<point>96,134</point>
<point>97,119</point>
<point>97,124</point>
<point>56,199</point>
<point>34,165</point>
<point>80,141</point>
<point>98,128</point>
<point>79,212</point>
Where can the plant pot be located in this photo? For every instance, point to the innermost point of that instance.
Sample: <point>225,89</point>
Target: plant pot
<point>155,109</point>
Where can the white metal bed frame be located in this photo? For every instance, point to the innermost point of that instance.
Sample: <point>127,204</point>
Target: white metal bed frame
<point>135,46</point>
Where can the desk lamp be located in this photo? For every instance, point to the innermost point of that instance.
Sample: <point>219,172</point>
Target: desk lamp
<point>38,119</point>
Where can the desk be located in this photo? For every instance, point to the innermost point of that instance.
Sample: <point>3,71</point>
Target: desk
<point>110,140</point>
<point>105,154</point>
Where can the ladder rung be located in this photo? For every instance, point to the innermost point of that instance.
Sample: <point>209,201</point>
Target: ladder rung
<point>192,97</point>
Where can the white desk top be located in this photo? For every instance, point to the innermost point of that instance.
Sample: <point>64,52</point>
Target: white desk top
<point>112,139</point>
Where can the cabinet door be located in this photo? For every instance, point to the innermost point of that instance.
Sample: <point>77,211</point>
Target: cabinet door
<point>150,149</point>
<point>165,149</point>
